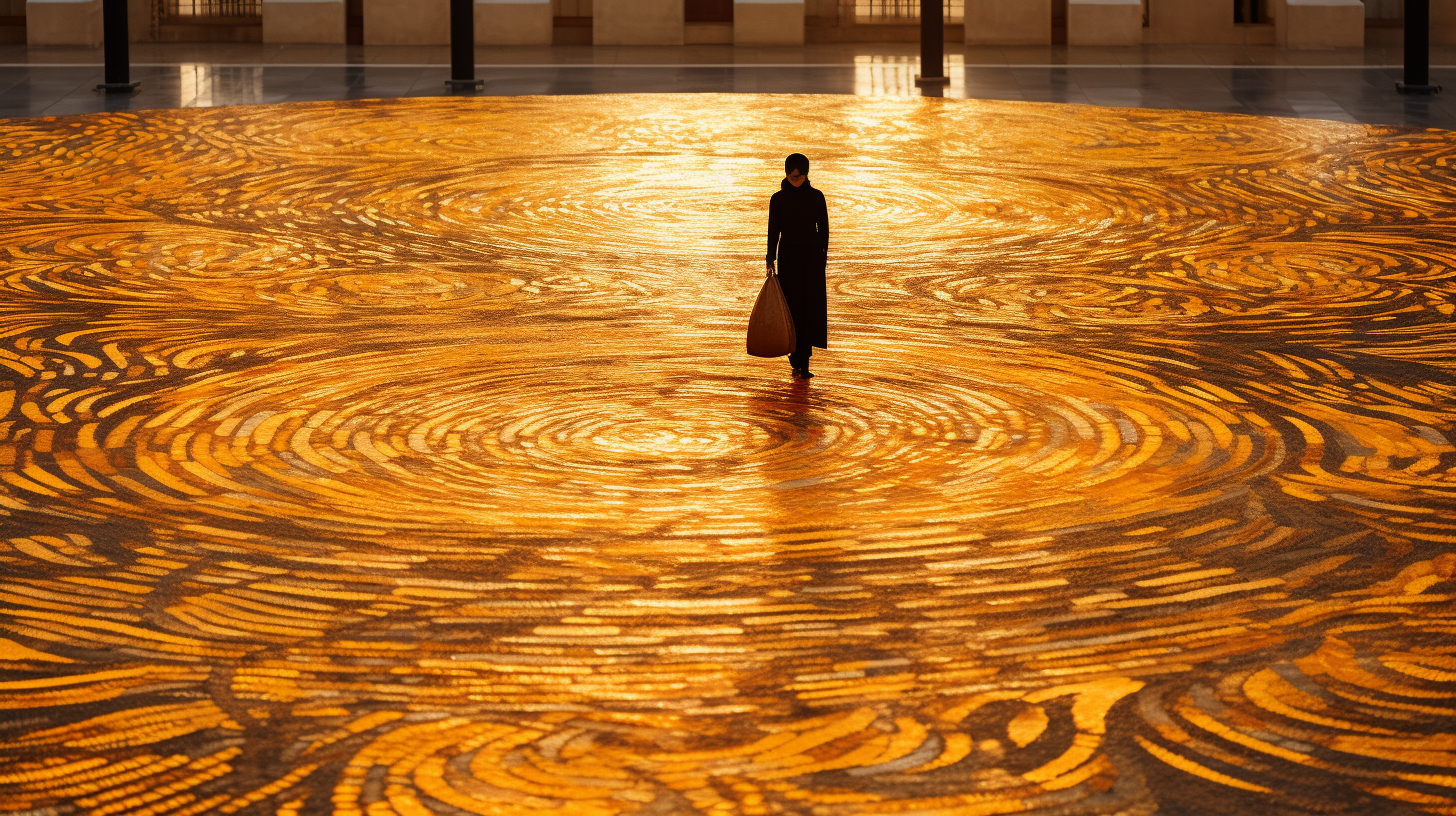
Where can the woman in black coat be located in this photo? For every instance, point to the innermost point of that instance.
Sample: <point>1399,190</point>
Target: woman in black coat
<point>798,234</point>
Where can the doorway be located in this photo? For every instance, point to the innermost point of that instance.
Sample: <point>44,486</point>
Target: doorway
<point>12,21</point>
<point>708,11</point>
<point>1251,12</point>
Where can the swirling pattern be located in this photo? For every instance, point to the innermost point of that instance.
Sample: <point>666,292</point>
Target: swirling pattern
<point>401,457</point>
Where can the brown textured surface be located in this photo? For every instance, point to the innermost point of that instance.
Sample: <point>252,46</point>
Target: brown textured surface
<point>402,457</point>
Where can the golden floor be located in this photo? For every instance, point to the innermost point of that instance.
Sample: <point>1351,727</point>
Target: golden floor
<point>402,457</point>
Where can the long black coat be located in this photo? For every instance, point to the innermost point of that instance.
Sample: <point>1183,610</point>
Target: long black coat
<point>798,233</point>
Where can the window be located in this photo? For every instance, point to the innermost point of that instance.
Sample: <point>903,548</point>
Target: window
<point>210,8</point>
<point>898,11</point>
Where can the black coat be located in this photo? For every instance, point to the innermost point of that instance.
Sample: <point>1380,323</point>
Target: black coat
<point>798,233</point>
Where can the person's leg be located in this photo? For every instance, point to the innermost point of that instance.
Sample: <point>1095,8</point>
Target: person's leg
<point>800,358</point>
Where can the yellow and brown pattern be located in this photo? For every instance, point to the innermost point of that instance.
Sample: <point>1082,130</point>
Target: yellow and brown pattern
<point>401,457</point>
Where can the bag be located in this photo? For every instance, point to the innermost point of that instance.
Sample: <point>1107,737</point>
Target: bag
<point>771,326</point>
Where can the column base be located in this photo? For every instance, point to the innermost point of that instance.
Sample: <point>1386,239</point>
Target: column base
<point>118,87</point>
<point>1401,87</point>
<point>465,84</point>
<point>921,81</point>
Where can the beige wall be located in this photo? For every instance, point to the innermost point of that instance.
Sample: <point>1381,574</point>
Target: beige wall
<point>513,23</point>
<point>1191,21</point>
<point>1008,22</point>
<point>63,23</point>
<point>1443,22</point>
<point>637,22</point>
<point>1319,24</point>
<point>1103,22</point>
<point>139,20</point>
<point>768,23</point>
<point>285,22</point>
<point>406,22</point>
<point>707,34</point>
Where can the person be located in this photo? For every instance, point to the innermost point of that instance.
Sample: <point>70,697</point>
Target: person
<point>798,237</point>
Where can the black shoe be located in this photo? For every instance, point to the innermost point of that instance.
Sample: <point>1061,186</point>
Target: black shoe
<point>803,373</point>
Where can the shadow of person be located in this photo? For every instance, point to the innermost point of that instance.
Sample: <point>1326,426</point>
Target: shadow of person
<point>787,409</point>
<point>794,426</point>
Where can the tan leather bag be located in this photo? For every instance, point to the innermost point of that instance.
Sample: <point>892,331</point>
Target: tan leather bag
<point>771,326</point>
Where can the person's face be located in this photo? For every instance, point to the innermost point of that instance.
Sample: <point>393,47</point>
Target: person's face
<point>796,178</point>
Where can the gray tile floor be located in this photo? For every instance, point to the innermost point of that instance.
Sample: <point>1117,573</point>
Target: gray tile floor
<point>1355,85</point>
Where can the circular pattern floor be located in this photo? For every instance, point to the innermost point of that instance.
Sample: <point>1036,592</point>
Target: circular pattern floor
<point>402,457</point>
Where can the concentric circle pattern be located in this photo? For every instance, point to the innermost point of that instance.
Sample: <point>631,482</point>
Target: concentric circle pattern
<point>402,458</point>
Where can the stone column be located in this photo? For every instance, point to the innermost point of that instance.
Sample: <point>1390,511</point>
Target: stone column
<point>462,47</point>
<point>114,26</point>
<point>932,79</point>
<point>1417,49</point>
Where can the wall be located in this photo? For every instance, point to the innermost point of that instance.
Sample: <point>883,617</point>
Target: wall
<point>1443,22</point>
<point>1193,21</point>
<point>139,20</point>
<point>571,8</point>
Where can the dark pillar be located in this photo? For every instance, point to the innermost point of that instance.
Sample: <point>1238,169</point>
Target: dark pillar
<point>1417,49</point>
<point>932,47</point>
<point>117,44</point>
<point>462,46</point>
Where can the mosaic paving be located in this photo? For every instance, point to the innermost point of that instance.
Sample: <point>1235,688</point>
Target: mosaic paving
<point>403,458</point>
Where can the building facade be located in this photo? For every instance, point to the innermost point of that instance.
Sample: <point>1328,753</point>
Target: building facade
<point>1297,24</point>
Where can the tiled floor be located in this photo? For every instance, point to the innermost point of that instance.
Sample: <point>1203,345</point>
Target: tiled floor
<point>1355,85</point>
<point>402,458</point>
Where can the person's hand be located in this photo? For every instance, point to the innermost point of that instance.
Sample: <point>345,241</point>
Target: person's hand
<point>770,269</point>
